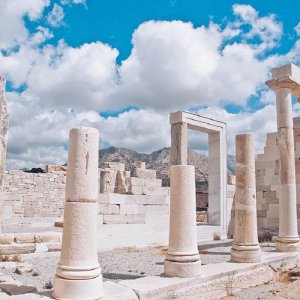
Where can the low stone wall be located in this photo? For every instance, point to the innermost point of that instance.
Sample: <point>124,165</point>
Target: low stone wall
<point>23,243</point>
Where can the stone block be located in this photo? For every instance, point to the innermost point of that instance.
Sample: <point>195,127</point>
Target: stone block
<point>153,199</point>
<point>24,238</point>
<point>135,181</point>
<point>114,291</point>
<point>129,209</point>
<point>6,239</point>
<point>135,190</point>
<point>124,219</point>
<point>153,182</point>
<point>46,237</point>
<point>17,249</point>
<point>153,209</point>
<point>59,223</point>
<point>103,198</point>
<point>263,188</point>
<point>54,246</point>
<point>116,198</point>
<point>108,209</point>
<point>117,166</point>
<point>262,213</point>
<point>144,173</point>
<point>272,200</point>
<point>273,212</point>
<point>269,194</point>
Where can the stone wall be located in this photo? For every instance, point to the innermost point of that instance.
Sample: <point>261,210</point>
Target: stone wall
<point>32,199</point>
<point>36,200</point>
<point>267,168</point>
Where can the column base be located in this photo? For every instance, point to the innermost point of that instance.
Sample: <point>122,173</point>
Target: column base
<point>245,254</point>
<point>183,269</point>
<point>287,244</point>
<point>77,289</point>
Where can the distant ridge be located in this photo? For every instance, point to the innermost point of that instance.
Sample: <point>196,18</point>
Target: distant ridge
<point>159,161</point>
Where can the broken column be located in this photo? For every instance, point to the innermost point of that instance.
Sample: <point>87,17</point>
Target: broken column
<point>285,80</point>
<point>245,247</point>
<point>183,258</point>
<point>78,275</point>
<point>3,135</point>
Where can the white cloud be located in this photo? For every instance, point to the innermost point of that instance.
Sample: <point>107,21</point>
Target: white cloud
<point>12,27</point>
<point>259,123</point>
<point>173,65</point>
<point>297,29</point>
<point>266,28</point>
<point>70,2</point>
<point>56,16</point>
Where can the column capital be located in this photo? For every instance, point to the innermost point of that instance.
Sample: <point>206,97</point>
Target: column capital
<point>287,76</point>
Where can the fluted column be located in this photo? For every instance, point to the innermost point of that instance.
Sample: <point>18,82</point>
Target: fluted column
<point>78,275</point>
<point>245,247</point>
<point>183,258</point>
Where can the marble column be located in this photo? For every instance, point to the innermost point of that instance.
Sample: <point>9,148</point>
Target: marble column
<point>183,258</point>
<point>245,247</point>
<point>285,82</point>
<point>288,239</point>
<point>78,275</point>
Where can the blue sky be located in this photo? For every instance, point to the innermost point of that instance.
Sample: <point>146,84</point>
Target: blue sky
<point>123,66</point>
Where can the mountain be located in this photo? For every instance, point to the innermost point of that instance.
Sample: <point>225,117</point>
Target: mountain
<point>159,161</point>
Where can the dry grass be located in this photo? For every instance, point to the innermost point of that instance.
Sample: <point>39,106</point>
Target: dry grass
<point>216,237</point>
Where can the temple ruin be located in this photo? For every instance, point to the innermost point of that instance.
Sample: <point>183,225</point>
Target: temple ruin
<point>77,212</point>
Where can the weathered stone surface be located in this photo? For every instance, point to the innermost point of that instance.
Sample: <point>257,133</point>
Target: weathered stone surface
<point>23,238</point>
<point>6,238</point>
<point>144,173</point>
<point>245,247</point>
<point>179,144</point>
<point>17,249</point>
<point>283,85</point>
<point>3,135</point>
<point>182,258</point>
<point>124,219</point>
<point>78,275</point>
<point>12,289</point>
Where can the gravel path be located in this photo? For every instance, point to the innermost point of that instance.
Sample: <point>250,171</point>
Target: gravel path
<point>125,263</point>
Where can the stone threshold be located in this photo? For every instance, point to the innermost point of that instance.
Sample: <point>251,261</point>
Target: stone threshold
<point>217,280</point>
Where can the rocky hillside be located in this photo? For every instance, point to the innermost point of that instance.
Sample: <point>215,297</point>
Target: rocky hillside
<point>159,161</point>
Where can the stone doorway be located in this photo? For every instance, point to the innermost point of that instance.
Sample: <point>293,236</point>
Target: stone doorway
<point>181,122</point>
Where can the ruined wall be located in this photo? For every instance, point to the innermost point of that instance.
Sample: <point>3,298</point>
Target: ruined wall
<point>32,199</point>
<point>267,166</point>
<point>36,200</point>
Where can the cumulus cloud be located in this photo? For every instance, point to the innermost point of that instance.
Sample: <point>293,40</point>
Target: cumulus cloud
<point>12,26</point>
<point>56,16</point>
<point>173,65</point>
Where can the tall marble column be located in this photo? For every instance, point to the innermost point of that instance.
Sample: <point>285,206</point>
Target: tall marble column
<point>78,275</point>
<point>245,247</point>
<point>283,83</point>
<point>183,258</point>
